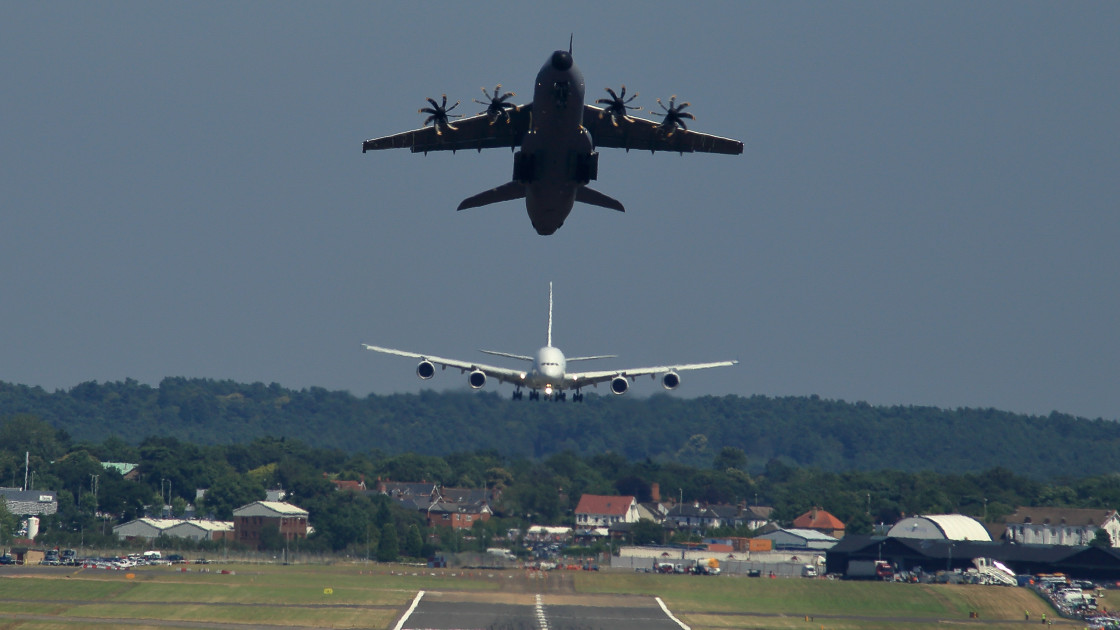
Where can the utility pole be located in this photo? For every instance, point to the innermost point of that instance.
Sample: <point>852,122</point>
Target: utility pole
<point>93,479</point>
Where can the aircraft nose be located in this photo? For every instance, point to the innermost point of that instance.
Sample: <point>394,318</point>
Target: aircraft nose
<point>562,60</point>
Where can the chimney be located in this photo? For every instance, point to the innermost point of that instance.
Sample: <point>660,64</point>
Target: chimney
<point>655,492</point>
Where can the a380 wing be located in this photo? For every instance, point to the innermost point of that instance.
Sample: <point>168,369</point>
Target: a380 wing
<point>476,132</point>
<point>503,375</point>
<point>592,378</point>
<point>647,135</point>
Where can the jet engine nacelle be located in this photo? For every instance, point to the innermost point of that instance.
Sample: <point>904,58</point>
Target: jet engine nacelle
<point>670,380</point>
<point>619,385</point>
<point>425,370</point>
<point>476,379</point>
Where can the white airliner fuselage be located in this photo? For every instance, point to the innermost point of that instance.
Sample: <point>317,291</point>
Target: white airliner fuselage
<point>549,370</point>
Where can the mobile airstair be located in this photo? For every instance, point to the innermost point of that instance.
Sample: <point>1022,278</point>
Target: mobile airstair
<point>995,572</point>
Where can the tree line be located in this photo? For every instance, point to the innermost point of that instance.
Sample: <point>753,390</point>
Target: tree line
<point>92,498</point>
<point>804,432</point>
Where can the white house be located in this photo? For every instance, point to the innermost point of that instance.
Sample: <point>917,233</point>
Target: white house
<point>1061,526</point>
<point>596,510</point>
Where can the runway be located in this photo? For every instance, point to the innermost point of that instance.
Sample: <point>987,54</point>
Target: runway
<point>507,611</point>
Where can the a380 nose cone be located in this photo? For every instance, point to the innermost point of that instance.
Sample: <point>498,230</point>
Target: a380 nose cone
<point>562,60</point>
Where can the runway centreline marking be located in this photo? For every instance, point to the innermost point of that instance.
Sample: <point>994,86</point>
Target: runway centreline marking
<point>408,613</point>
<point>541,620</point>
<point>671,615</point>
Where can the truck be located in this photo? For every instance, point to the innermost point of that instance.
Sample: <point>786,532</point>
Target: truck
<point>705,566</point>
<point>869,570</point>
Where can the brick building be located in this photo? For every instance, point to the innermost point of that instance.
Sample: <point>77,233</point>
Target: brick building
<point>252,519</point>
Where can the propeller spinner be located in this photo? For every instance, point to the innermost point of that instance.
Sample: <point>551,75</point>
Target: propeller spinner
<point>439,116</point>
<point>617,105</point>
<point>496,105</point>
<point>674,115</point>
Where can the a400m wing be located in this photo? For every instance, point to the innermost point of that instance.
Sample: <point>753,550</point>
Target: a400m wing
<point>476,132</point>
<point>631,132</point>
<point>504,375</point>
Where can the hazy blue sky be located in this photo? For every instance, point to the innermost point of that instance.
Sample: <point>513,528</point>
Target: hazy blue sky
<point>926,212</point>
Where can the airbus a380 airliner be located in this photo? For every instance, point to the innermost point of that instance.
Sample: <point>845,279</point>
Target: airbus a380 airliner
<point>549,372</point>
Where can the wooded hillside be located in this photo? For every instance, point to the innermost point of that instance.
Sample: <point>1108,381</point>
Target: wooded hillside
<point>807,431</point>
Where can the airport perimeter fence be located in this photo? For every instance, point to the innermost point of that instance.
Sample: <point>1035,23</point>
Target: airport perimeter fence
<point>726,567</point>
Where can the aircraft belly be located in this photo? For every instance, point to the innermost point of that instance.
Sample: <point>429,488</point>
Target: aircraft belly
<point>543,381</point>
<point>549,203</point>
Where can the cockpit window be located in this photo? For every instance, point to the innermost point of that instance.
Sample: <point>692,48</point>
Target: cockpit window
<point>560,90</point>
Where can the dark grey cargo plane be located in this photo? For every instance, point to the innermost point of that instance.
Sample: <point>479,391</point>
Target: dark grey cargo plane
<point>557,134</point>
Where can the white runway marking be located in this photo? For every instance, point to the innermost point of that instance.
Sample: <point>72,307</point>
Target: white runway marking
<point>541,621</point>
<point>408,613</point>
<point>671,615</point>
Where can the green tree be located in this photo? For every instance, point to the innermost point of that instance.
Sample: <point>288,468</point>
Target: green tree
<point>646,532</point>
<point>229,492</point>
<point>1101,539</point>
<point>8,523</point>
<point>388,549</point>
<point>413,542</point>
<point>730,457</point>
<point>26,433</point>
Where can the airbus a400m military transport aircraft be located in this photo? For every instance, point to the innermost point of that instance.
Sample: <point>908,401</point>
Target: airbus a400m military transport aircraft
<point>549,372</point>
<point>557,134</point>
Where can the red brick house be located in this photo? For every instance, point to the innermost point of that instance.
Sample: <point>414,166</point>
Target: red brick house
<point>250,520</point>
<point>457,515</point>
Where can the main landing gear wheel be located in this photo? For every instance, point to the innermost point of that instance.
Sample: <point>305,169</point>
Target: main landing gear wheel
<point>534,395</point>
<point>577,397</point>
<point>517,394</point>
<point>560,396</point>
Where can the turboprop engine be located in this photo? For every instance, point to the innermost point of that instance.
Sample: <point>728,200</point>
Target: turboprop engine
<point>425,370</point>
<point>670,380</point>
<point>476,379</point>
<point>619,385</point>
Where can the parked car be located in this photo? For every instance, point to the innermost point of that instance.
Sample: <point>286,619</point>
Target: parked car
<point>7,560</point>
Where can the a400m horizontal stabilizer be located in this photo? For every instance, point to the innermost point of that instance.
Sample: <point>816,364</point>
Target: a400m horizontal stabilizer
<point>505,192</point>
<point>596,198</point>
